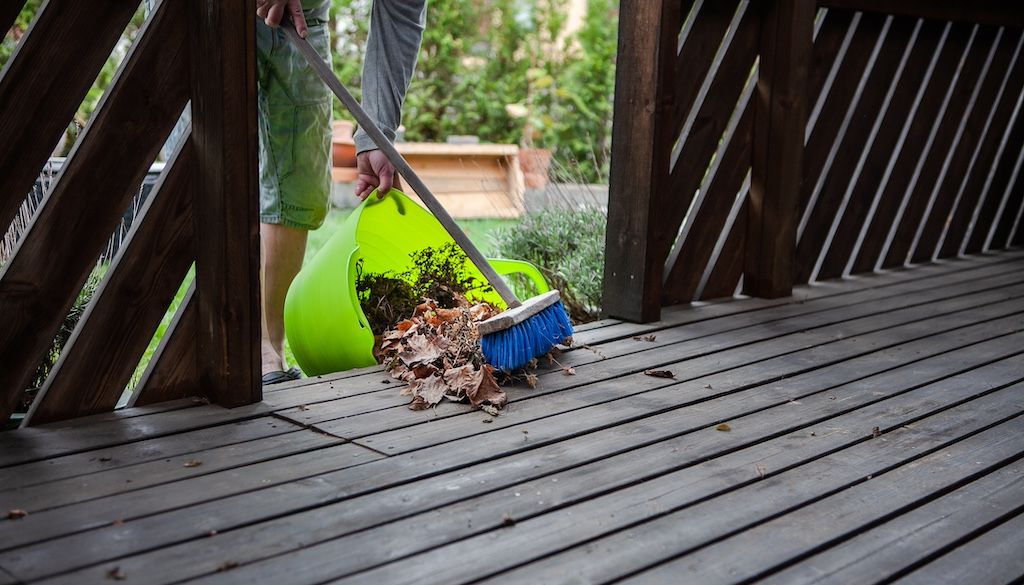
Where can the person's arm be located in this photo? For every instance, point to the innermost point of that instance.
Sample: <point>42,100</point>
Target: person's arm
<point>396,29</point>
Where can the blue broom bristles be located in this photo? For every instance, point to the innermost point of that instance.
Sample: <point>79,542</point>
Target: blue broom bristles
<point>516,346</point>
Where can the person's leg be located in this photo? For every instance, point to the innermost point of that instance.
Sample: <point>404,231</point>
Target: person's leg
<point>295,146</point>
<point>282,250</point>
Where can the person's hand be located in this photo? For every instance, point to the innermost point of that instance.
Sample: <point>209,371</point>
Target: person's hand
<point>272,11</point>
<point>375,172</point>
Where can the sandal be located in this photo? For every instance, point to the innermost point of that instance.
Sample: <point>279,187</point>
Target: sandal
<point>278,376</point>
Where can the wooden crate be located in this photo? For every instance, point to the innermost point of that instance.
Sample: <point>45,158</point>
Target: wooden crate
<point>470,180</point>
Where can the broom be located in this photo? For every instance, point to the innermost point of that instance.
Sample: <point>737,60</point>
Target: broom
<point>509,340</point>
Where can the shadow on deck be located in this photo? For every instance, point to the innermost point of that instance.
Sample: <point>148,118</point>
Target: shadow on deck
<point>862,430</point>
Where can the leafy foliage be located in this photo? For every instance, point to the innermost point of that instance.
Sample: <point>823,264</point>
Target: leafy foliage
<point>438,274</point>
<point>504,71</point>
<point>477,58</point>
<point>568,247</point>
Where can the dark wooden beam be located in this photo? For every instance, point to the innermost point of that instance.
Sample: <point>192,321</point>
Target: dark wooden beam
<point>648,36</point>
<point>224,129</point>
<point>113,334</point>
<point>106,169</point>
<point>9,12</point>
<point>1007,187</point>
<point>996,193</point>
<point>939,72</point>
<point>722,189</point>
<point>173,373</point>
<point>994,12</point>
<point>725,276</point>
<point>835,199</point>
<point>944,140</point>
<point>983,93</point>
<point>976,204</point>
<point>780,119</point>
<point>44,84</point>
<point>707,28</point>
<point>866,201</point>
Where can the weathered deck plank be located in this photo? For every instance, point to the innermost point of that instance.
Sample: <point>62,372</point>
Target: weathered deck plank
<point>896,546</point>
<point>993,557</point>
<point>359,418</point>
<point>605,474</point>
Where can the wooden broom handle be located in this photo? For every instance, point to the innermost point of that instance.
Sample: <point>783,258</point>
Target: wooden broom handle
<point>370,127</point>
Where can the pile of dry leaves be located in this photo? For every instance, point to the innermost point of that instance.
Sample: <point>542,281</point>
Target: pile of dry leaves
<point>437,352</point>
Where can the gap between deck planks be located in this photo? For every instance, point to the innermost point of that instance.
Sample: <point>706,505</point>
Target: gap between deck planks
<point>307,535</point>
<point>428,471</point>
<point>628,356</point>
<point>683,513</point>
<point>544,534</point>
<point>993,556</point>
<point>984,350</point>
<point>307,391</point>
<point>313,391</point>
<point>905,542</point>
<point>605,376</point>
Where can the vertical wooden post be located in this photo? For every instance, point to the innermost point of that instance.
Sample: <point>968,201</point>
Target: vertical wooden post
<point>641,149</point>
<point>780,118</point>
<point>224,133</point>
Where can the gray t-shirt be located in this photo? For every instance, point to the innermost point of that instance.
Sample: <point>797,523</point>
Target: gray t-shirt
<point>396,29</point>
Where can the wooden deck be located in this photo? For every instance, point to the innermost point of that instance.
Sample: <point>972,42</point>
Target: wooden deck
<point>863,431</point>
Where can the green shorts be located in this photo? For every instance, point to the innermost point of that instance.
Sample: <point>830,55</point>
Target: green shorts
<point>294,127</point>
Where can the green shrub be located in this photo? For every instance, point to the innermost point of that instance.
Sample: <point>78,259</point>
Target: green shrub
<point>568,247</point>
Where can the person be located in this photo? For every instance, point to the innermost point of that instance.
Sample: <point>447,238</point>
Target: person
<point>295,138</point>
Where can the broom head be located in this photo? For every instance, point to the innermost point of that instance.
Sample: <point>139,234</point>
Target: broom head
<point>511,339</point>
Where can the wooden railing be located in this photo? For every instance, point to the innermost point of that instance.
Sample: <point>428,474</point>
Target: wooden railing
<point>763,144</point>
<point>203,210</point>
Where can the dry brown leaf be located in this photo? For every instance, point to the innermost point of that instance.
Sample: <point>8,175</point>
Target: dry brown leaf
<point>481,312</point>
<point>507,520</point>
<point>404,326</point>
<point>16,514</point>
<point>424,371</point>
<point>531,380</point>
<point>425,307</point>
<point>761,471</point>
<point>488,392</point>
<point>432,389</point>
<point>723,427</point>
<point>227,566</point>
<point>446,315</point>
<point>876,432</point>
<point>463,379</point>
<point>419,350</point>
<point>659,373</point>
<point>489,409</point>
<point>116,574</point>
<point>418,403</point>
<point>192,463</point>
<point>569,371</point>
<point>647,338</point>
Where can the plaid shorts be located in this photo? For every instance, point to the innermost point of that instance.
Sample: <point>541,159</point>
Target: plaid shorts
<point>294,126</point>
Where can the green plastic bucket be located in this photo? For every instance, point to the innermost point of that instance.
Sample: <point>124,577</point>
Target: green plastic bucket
<point>324,323</point>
